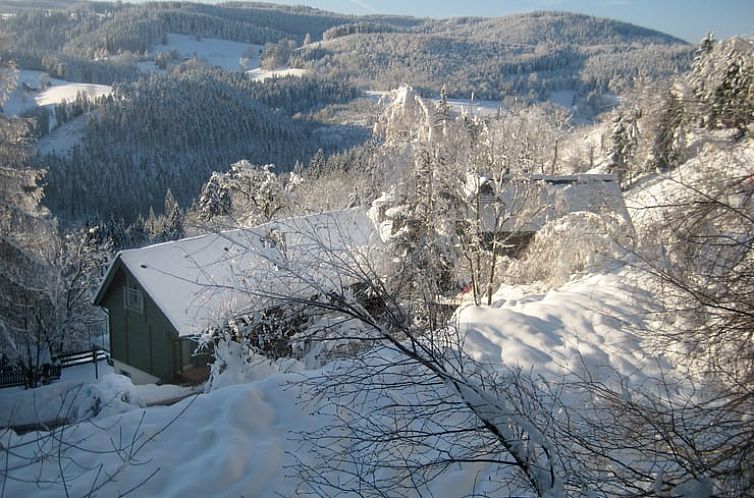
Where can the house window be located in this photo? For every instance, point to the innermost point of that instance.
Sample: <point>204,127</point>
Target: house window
<point>133,299</point>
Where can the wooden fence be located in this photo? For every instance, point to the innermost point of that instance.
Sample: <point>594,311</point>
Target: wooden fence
<point>19,376</point>
<point>89,356</point>
<point>15,375</point>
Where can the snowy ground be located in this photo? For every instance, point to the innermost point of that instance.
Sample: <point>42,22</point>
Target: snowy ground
<point>260,74</point>
<point>82,392</point>
<point>589,324</point>
<point>563,98</point>
<point>239,440</point>
<point>229,55</point>
<point>63,138</point>
<point>656,195</point>
<point>27,95</point>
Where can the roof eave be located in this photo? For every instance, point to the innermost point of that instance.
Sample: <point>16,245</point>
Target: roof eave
<point>105,285</point>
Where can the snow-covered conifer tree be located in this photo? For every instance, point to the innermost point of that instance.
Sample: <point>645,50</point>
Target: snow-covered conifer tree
<point>172,219</point>
<point>216,198</point>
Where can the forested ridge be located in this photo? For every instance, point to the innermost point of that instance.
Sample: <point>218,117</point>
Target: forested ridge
<point>170,130</point>
<point>528,55</point>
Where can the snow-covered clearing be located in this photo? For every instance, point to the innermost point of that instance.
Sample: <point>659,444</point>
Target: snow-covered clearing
<point>68,92</point>
<point>229,55</point>
<point>260,74</point>
<point>29,95</point>
<point>63,138</point>
<point>563,98</point>
<point>149,67</point>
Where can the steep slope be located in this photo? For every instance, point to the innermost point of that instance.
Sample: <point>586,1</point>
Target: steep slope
<point>168,133</point>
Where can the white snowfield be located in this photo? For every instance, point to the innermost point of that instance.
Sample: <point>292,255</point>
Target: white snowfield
<point>229,55</point>
<point>260,74</point>
<point>583,327</point>
<point>67,92</point>
<point>29,95</point>
<point>63,138</point>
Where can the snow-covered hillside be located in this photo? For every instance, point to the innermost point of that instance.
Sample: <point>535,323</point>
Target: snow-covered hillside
<point>63,138</point>
<point>229,55</point>
<point>589,324</point>
<point>29,93</point>
<point>715,160</point>
<point>465,106</point>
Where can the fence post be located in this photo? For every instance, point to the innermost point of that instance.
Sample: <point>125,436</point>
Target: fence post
<point>96,367</point>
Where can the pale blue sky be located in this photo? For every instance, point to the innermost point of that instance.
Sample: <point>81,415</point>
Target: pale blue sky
<point>686,19</point>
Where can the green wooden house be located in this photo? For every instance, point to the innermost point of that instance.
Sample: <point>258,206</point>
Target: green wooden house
<point>160,299</point>
<point>144,343</point>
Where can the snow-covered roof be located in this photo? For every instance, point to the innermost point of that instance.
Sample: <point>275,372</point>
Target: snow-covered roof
<point>200,281</point>
<point>536,199</point>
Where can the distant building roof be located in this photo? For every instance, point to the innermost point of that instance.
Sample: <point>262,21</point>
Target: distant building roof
<point>200,281</point>
<point>533,200</point>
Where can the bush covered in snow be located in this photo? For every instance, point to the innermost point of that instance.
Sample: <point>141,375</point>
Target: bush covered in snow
<point>576,243</point>
<point>238,362</point>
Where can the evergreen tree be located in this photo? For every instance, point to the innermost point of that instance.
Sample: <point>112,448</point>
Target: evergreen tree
<point>216,199</point>
<point>172,225</point>
<point>442,110</point>
<point>722,84</point>
<point>624,142</point>
<point>153,227</point>
<point>667,146</point>
<point>317,165</point>
<point>136,233</point>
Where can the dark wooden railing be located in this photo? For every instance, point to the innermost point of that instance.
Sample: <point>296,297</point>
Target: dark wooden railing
<point>20,376</point>
<point>15,375</point>
<point>89,356</point>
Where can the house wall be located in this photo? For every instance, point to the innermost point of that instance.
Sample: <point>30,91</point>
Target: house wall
<point>146,341</point>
